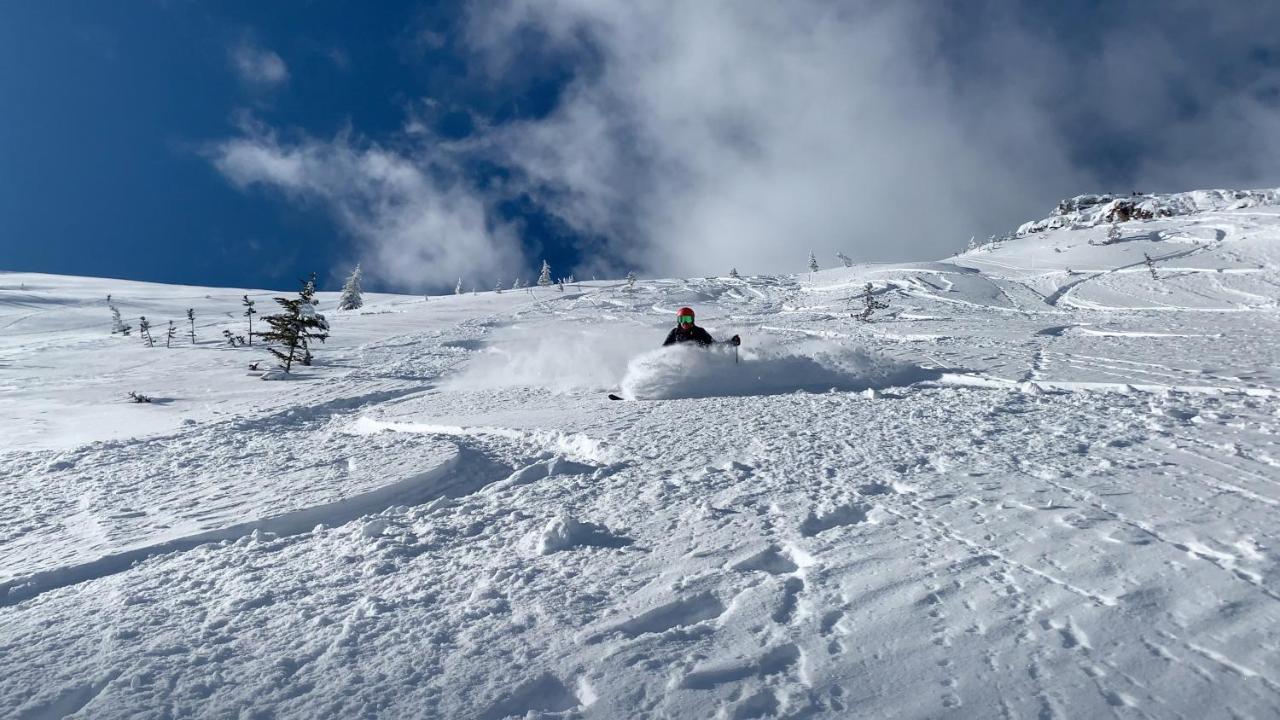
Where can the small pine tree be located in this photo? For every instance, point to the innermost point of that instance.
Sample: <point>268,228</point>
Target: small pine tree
<point>118,325</point>
<point>848,261</point>
<point>229,337</point>
<point>144,329</point>
<point>249,312</point>
<point>1113,233</point>
<point>1151,266</point>
<point>497,287</point>
<point>168,336</point>
<point>973,244</point>
<point>813,262</point>
<point>517,284</point>
<point>560,285</point>
<point>733,273</point>
<point>352,296</point>
<point>457,289</point>
<point>631,281</point>
<point>191,318</point>
<point>295,327</point>
<point>870,304</point>
<point>544,278</point>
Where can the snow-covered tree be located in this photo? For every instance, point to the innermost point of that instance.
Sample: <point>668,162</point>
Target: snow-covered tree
<point>973,244</point>
<point>848,261</point>
<point>870,304</point>
<point>1113,233</point>
<point>733,273</point>
<point>1151,266</point>
<point>144,329</point>
<point>191,318</point>
<point>352,296</point>
<point>118,325</point>
<point>813,262</point>
<point>168,336</point>
<point>560,285</point>
<point>295,327</point>
<point>497,287</point>
<point>249,312</point>
<point>517,284</point>
<point>544,278</point>
<point>139,397</point>
<point>631,281</point>
<point>457,289</point>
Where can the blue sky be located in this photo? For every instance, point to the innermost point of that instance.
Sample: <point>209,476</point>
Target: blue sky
<point>248,143</point>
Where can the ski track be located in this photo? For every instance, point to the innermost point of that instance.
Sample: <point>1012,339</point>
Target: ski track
<point>1067,524</point>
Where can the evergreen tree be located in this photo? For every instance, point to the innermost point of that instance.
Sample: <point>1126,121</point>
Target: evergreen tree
<point>517,284</point>
<point>168,337</point>
<point>497,287</point>
<point>352,296</point>
<point>295,327</point>
<point>457,289</point>
<point>560,285</point>
<point>733,273</point>
<point>249,312</point>
<point>848,261</point>
<point>631,281</point>
<point>144,329</point>
<point>118,324</point>
<point>544,278</point>
<point>813,262</point>
<point>191,318</point>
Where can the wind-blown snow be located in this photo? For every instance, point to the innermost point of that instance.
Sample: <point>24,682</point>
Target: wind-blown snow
<point>1040,483</point>
<point>812,366</point>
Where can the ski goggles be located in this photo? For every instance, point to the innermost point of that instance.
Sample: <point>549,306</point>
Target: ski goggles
<point>685,319</point>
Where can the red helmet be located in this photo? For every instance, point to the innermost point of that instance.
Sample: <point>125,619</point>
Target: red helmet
<point>683,315</point>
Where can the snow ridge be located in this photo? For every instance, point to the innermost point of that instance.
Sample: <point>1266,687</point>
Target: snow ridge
<point>1084,211</point>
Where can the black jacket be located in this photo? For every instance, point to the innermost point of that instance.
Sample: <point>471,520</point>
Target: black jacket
<point>694,334</point>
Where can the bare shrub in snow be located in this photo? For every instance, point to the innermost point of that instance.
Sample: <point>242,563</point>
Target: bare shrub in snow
<point>870,304</point>
<point>139,397</point>
<point>1151,266</point>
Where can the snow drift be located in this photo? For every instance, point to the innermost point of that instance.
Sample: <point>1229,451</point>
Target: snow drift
<point>813,366</point>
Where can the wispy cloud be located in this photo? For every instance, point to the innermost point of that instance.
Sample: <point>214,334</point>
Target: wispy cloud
<point>258,67</point>
<point>419,225</point>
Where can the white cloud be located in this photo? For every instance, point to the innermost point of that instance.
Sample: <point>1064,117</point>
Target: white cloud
<point>721,133</point>
<point>706,135</point>
<point>258,67</point>
<point>418,227</point>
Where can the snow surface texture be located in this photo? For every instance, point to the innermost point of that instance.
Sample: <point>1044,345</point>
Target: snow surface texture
<point>1041,483</point>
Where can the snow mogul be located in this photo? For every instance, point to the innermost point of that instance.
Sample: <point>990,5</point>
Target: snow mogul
<point>686,331</point>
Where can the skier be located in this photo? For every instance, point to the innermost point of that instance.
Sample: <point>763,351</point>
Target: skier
<point>685,331</point>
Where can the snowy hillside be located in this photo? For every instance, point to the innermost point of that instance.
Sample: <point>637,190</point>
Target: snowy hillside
<point>1041,482</point>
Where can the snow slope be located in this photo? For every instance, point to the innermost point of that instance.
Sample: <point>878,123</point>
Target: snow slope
<point>1040,483</point>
